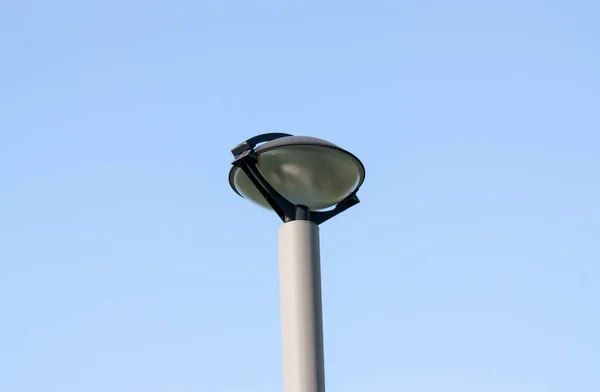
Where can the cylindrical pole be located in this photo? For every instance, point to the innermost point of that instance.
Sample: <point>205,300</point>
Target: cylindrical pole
<point>301,309</point>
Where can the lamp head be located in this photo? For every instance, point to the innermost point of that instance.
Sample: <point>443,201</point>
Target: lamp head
<point>304,171</point>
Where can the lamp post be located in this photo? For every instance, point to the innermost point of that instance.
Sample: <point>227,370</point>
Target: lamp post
<point>306,181</point>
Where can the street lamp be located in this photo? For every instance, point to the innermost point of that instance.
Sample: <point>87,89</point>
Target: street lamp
<point>306,181</point>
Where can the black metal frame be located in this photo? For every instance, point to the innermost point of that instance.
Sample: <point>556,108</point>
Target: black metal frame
<point>246,159</point>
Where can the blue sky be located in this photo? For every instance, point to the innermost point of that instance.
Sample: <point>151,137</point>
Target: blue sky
<point>127,263</point>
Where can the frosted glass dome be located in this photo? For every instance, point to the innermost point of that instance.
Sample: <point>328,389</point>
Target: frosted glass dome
<point>305,170</point>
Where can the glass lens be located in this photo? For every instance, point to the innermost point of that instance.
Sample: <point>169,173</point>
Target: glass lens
<point>315,176</point>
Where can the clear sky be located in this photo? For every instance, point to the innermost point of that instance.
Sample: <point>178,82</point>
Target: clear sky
<point>472,263</point>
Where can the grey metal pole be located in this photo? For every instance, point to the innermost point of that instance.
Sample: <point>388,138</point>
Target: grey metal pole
<point>301,309</point>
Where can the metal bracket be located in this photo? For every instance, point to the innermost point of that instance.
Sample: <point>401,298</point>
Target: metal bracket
<point>247,160</point>
<point>319,217</point>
